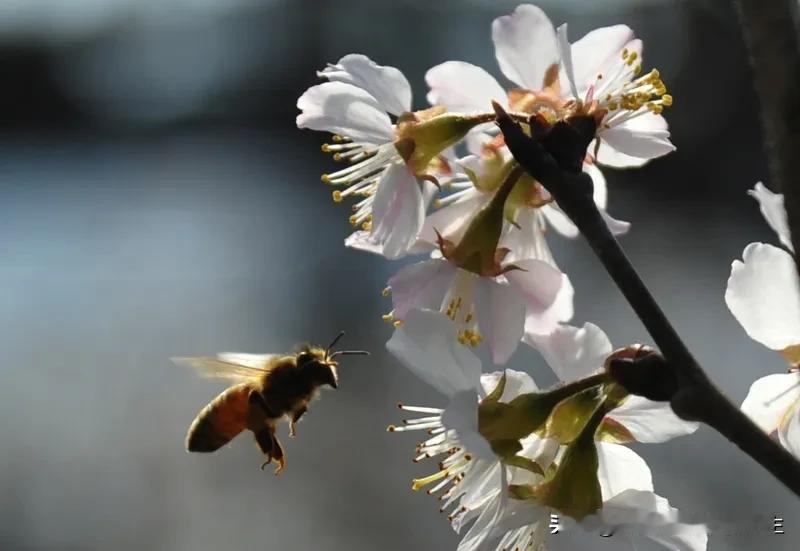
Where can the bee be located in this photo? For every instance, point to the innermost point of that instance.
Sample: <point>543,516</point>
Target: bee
<point>268,387</point>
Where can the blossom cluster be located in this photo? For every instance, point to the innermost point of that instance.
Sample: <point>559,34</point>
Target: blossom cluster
<point>440,182</point>
<point>764,296</point>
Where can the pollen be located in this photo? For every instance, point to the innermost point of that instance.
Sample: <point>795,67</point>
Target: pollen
<point>366,225</point>
<point>337,196</point>
<point>326,179</point>
<point>398,323</point>
<point>386,291</point>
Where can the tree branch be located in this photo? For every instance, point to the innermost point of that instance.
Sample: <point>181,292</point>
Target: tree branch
<point>552,160</point>
<point>772,34</point>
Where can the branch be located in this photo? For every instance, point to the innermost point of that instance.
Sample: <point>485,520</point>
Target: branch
<point>772,33</point>
<point>552,160</point>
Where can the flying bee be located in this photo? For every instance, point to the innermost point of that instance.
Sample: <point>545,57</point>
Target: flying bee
<point>269,387</point>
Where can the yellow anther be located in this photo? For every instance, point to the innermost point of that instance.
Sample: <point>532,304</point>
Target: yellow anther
<point>613,106</point>
<point>337,196</point>
<point>337,138</point>
<point>387,317</point>
<point>398,323</point>
<point>326,148</point>
<point>599,76</point>
<point>469,318</point>
<point>632,58</point>
<point>637,69</point>
<point>437,203</point>
<point>666,99</point>
<point>654,74</point>
<point>353,220</point>
<point>386,291</point>
<point>325,179</point>
<point>366,225</point>
<point>624,53</point>
<point>337,157</point>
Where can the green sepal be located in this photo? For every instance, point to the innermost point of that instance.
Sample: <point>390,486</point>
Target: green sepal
<point>524,463</point>
<point>574,488</point>
<point>570,416</point>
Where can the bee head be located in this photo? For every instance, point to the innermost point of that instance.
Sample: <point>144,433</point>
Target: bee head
<point>320,364</point>
<point>315,364</point>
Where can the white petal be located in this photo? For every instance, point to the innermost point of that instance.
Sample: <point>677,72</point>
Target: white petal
<point>597,52</point>
<point>452,220</point>
<point>770,398</point>
<point>421,285</point>
<point>567,68</point>
<point>426,344</point>
<point>386,84</point>
<point>517,382</point>
<point>528,240</point>
<point>501,317</point>
<point>572,352</point>
<point>561,311</point>
<point>560,221</point>
<point>599,185</point>
<point>651,422</point>
<point>398,211</point>
<point>525,45</point>
<point>617,227</point>
<point>537,283</point>
<point>634,512</point>
<point>608,156</point>
<point>789,433</point>
<point>644,137</point>
<point>461,415</point>
<point>772,209</point>
<point>638,507</point>
<point>463,87</point>
<point>763,295</point>
<point>619,469</point>
<point>344,109</point>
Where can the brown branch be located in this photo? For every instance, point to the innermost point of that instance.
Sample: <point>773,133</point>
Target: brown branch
<point>555,161</point>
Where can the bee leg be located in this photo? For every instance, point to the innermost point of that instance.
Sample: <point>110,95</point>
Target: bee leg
<point>295,418</point>
<point>277,454</point>
<point>265,439</point>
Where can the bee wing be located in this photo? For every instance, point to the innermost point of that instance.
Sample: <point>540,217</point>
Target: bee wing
<point>228,366</point>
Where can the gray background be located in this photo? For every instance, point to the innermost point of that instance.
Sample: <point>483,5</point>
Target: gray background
<point>156,200</point>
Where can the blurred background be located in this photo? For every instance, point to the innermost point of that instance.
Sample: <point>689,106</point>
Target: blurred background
<point>156,200</point>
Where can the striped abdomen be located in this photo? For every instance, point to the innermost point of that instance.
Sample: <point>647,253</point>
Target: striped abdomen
<point>221,420</point>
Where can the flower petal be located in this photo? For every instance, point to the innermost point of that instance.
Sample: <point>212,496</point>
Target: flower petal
<point>344,109</point>
<point>452,220</point>
<point>461,415</point>
<point>525,46</point>
<point>501,317</point>
<point>651,422</point>
<point>528,240</point>
<point>770,398</point>
<point>426,344</point>
<point>567,68</point>
<point>572,352</point>
<point>771,205</point>
<point>645,137</point>
<point>619,469</point>
<point>537,283</point>
<point>789,433</point>
<point>463,87</point>
<point>421,285</point>
<point>608,156</point>
<point>561,311</point>
<point>763,295</point>
<point>517,382</point>
<point>398,211</point>
<point>597,51</point>
<point>386,84</point>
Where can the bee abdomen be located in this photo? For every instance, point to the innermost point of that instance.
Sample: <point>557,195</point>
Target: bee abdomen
<point>220,421</point>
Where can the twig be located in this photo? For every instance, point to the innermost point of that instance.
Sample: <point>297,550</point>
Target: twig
<point>553,160</point>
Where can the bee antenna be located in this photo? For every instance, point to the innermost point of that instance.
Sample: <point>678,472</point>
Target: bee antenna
<point>349,353</point>
<point>333,343</point>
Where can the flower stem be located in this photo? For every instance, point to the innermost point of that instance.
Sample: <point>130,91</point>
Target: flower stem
<point>694,396</point>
